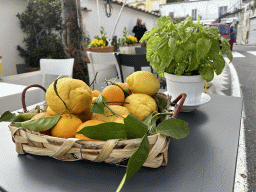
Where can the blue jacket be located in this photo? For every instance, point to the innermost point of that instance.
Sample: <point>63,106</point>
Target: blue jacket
<point>232,35</point>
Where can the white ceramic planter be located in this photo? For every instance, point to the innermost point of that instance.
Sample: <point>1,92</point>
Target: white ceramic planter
<point>127,49</point>
<point>193,86</point>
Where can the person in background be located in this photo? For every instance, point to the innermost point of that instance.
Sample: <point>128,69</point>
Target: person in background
<point>138,29</point>
<point>144,27</point>
<point>232,37</point>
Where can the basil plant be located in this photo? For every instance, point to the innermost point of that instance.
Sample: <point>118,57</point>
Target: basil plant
<point>186,48</point>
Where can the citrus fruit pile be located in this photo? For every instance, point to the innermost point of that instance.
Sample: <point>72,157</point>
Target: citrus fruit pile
<point>73,99</point>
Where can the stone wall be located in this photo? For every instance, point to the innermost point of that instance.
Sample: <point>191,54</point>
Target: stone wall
<point>244,22</point>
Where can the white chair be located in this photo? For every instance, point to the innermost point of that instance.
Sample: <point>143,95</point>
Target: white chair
<point>56,67</point>
<point>106,66</point>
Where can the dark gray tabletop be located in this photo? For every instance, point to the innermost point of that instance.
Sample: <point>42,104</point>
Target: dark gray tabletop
<point>203,161</point>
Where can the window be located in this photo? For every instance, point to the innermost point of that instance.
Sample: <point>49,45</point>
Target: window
<point>155,6</point>
<point>139,0</point>
<point>194,14</point>
<point>171,14</point>
<point>223,10</point>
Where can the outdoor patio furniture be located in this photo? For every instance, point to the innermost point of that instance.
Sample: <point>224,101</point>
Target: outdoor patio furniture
<point>137,61</point>
<point>56,67</point>
<point>100,62</point>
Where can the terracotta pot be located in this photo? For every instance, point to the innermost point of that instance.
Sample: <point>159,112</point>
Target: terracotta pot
<point>99,49</point>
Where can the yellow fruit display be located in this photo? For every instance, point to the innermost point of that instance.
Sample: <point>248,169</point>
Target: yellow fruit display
<point>66,126</point>
<point>140,105</point>
<point>143,82</point>
<point>113,93</point>
<point>76,94</point>
<point>108,115</point>
<point>86,124</point>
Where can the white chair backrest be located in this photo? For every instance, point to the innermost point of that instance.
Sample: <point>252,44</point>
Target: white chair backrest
<point>104,59</point>
<point>56,67</point>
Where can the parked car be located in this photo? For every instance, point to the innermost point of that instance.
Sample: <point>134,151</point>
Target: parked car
<point>224,30</point>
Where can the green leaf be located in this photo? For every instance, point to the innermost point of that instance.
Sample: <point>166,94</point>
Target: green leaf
<point>219,64</point>
<point>98,106</point>
<point>104,131</point>
<point>148,34</point>
<point>202,47</point>
<point>136,161</point>
<point>174,128</point>
<point>189,46</point>
<point>41,124</point>
<point>180,68</point>
<point>26,116</point>
<point>163,22</point>
<point>10,117</point>
<point>134,127</point>
<point>150,121</point>
<point>194,63</point>
<point>179,55</point>
<point>172,45</point>
<point>207,73</point>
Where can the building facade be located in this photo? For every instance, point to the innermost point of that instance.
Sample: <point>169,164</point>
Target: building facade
<point>149,5</point>
<point>209,10</point>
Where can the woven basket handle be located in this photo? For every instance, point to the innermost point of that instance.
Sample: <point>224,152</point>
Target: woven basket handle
<point>182,98</point>
<point>23,95</point>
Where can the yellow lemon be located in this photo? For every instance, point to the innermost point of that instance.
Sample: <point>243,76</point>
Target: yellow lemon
<point>108,115</point>
<point>143,82</point>
<point>76,94</point>
<point>140,105</point>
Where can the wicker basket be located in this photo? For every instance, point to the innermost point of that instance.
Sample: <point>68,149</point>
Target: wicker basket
<point>115,151</point>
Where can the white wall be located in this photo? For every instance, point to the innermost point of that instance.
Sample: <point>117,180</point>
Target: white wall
<point>208,10</point>
<point>128,19</point>
<point>11,34</point>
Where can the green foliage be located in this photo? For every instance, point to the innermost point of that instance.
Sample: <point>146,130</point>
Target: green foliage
<point>186,48</point>
<point>42,23</point>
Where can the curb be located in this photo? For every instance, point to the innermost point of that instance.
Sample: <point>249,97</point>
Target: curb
<point>241,183</point>
<point>235,85</point>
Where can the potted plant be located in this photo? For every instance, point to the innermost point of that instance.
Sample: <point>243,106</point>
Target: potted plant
<point>99,44</point>
<point>126,44</point>
<point>187,54</point>
<point>42,23</point>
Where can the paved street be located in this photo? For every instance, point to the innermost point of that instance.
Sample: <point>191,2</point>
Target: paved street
<point>241,73</point>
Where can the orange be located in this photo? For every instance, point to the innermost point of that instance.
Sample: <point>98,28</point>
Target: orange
<point>66,126</point>
<point>95,93</point>
<point>40,115</point>
<point>125,86</point>
<point>113,93</point>
<point>86,124</point>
